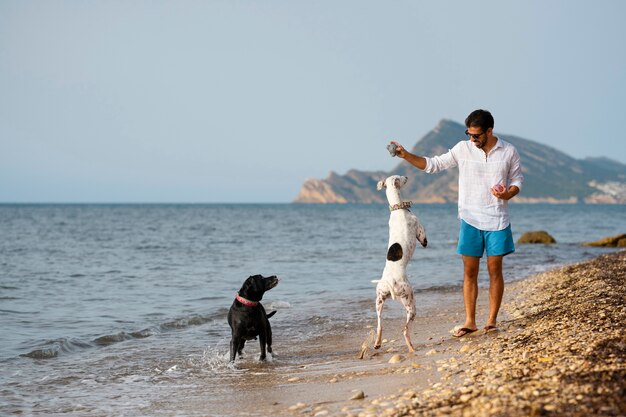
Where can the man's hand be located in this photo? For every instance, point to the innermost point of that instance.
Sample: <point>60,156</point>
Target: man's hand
<point>415,160</point>
<point>400,151</point>
<point>506,194</point>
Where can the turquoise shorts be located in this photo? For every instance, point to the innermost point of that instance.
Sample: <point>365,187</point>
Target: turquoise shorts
<point>474,242</point>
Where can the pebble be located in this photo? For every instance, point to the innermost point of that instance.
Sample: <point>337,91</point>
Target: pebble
<point>464,348</point>
<point>297,406</point>
<point>409,394</point>
<point>397,358</point>
<point>358,395</point>
<point>465,398</point>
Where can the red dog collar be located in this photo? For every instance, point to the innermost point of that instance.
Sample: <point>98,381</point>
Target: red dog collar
<point>246,302</point>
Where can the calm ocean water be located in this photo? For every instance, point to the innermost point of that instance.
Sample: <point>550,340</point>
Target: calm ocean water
<point>121,309</point>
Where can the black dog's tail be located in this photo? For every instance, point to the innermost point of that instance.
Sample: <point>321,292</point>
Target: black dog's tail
<point>271,314</point>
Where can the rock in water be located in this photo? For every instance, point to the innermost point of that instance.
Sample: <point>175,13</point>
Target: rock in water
<point>536,237</point>
<point>618,241</point>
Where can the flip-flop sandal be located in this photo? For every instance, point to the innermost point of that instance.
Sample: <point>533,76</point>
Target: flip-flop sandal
<point>490,328</point>
<point>463,331</point>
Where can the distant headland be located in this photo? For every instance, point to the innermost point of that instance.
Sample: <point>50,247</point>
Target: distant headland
<point>551,176</point>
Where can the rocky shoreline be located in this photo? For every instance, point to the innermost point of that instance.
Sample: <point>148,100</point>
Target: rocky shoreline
<point>562,352</point>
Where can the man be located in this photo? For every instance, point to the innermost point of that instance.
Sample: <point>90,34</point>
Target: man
<point>490,174</point>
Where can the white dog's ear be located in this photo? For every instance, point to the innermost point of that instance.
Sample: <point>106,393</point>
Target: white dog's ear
<point>380,185</point>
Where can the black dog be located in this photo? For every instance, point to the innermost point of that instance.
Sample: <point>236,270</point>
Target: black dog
<point>247,317</point>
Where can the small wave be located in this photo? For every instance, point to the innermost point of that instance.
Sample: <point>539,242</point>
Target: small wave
<point>186,322</point>
<point>160,268</point>
<point>176,324</point>
<point>205,299</point>
<point>150,247</point>
<point>142,334</point>
<point>77,275</point>
<point>65,345</point>
<point>42,354</point>
<point>17,250</point>
<point>7,287</point>
<point>110,339</point>
<point>56,346</point>
<point>318,320</point>
<point>438,288</point>
<point>17,312</point>
<point>275,305</point>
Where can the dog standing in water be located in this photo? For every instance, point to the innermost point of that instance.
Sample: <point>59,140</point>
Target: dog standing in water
<point>247,317</point>
<point>404,232</point>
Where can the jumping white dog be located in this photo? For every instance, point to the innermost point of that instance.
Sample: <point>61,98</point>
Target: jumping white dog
<point>404,231</point>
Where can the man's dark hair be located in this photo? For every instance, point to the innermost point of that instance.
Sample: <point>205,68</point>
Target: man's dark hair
<point>480,118</point>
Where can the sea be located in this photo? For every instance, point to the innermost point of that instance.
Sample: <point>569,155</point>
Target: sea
<point>120,309</point>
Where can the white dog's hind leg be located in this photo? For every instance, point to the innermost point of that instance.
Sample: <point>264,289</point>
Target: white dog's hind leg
<point>408,301</point>
<point>381,295</point>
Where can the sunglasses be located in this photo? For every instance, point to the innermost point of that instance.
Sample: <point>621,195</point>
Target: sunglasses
<point>474,136</point>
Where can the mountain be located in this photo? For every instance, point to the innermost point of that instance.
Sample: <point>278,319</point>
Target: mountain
<point>550,176</point>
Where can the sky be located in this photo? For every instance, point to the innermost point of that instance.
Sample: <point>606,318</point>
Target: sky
<point>232,101</point>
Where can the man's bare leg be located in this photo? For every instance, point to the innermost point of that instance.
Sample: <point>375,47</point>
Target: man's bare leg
<point>496,288</point>
<point>470,289</point>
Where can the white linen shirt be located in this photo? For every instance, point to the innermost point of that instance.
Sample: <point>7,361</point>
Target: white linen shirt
<point>479,172</point>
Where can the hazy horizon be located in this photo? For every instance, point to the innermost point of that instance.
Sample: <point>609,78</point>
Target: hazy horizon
<point>241,102</point>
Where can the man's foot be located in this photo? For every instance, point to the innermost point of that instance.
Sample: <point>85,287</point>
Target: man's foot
<point>491,328</point>
<point>463,331</point>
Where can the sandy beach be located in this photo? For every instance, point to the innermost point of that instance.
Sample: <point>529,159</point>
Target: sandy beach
<point>560,350</point>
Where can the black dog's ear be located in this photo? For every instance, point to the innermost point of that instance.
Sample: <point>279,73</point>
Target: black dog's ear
<point>250,282</point>
<point>253,281</point>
